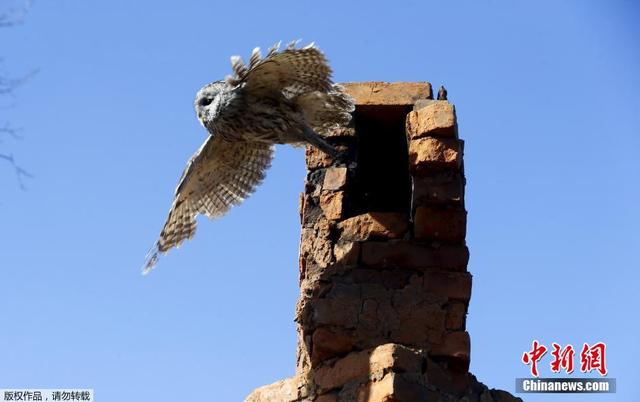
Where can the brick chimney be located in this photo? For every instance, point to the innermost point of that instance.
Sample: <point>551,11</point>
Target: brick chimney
<point>384,286</point>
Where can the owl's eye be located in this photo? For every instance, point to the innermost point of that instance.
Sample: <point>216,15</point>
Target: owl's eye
<point>206,101</point>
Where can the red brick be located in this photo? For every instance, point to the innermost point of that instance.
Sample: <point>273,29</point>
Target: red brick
<point>315,158</point>
<point>455,345</point>
<point>301,206</point>
<point>335,178</point>
<point>404,254</point>
<point>393,387</point>
<point>316,249</point>
<point>346,252</point>
<point>436,119</point>
<point>342,312</point>
<point>419,325</point>
<point>374,225</point>
<point>454,285</point>
<point>439,187</point>
<point>381,390</point>
<point>436,375</point>
<point>332,205</point>
<point>289,389</point>
<point>311,211</point>
<point>329,397</point>
<point>359,365</point>
<point>439,153</point>
<point>330,343</point>
<point>437,223</point>
<point>386,93</point>
<point>456,315</point>
<point>413,294</point>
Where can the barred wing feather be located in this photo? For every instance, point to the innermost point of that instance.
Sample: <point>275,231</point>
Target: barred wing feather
<point>221,174</point>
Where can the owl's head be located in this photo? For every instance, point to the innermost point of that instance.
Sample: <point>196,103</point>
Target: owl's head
<point>208,101</point>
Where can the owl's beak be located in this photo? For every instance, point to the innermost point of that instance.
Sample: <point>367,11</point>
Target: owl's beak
<point>201,120</point>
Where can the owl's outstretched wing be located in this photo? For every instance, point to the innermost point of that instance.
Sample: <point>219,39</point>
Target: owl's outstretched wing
<point>293,71</point>
<point>219,175</point>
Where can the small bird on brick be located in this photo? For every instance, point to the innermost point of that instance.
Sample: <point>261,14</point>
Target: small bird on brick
<point>442,93</point>
<point>286,97</point>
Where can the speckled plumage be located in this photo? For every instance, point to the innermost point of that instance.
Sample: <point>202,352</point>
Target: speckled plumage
<point>286,97</point>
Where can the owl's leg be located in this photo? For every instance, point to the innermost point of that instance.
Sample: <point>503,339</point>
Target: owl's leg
<point>317,141</point>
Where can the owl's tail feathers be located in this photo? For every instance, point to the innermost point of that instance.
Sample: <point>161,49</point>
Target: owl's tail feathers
<point>180,225</point>
<point>324,113</point>
<point>327,111</point>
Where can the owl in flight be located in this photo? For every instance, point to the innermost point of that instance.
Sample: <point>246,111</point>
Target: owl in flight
<point>286,97</point>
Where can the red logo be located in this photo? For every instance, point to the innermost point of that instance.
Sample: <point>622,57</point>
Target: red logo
<point>533,357</point>
<point>562,358</point>
<point>591,358</point>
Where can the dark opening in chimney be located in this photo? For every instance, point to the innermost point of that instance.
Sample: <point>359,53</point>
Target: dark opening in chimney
<point>383,181</point>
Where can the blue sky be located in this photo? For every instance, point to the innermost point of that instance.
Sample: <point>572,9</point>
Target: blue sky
<point>547,95</point>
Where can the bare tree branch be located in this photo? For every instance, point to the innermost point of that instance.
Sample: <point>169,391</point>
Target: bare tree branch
<point>12,17</point>
<point>8,85</point>
<point>20,172</point>
<point>15,16</point>
<point>10,131</point>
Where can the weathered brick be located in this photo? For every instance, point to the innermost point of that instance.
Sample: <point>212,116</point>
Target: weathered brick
<point>311,211</point>
<point>438,223</point>
<point>412,294</point>
<point>420,103</point>
<point>374,225</point>
<point>435,153</point>
<point>313,182</point>
<point>455,345</point>
<point>396,357</point>
<point>345,291</point>
<point>358,365</point>
<point>436,375</point>
<point>369,318</point>
<point>289,389</point>
<point>456,315</point>
<point>420,325</point>
<point>341,312</point>
<point>315,247</point>
<point>435,119</point>
<point>315,158</point>
<point>301,206</point>
<point>377,320</point>
<point>439,187</point>
<point>351,367</point>
<point>346,252</point>
<point>386,93</point>
<point>328,343</point>
<point>382,390</point>
<point>405,254</point>
<point>335,178</point>
<point>328,397</point>
<point>332,205</point>
<point>454,285</point>
<point>393,387</point>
